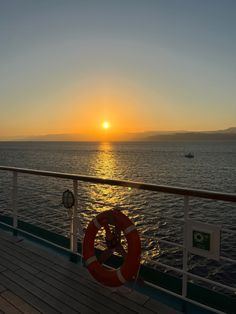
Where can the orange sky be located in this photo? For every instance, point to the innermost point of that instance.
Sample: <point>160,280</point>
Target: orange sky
<point>67,68</point>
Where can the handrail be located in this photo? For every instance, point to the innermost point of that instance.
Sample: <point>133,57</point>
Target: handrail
<point>75,223</point>
<point>229,197</point>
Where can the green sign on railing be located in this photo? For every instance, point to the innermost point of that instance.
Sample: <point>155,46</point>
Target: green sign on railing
<point>201,240</point>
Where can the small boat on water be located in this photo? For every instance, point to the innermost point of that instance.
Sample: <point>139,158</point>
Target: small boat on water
<point>189,155</point>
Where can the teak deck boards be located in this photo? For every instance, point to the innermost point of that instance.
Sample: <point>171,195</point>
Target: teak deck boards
<point>34,280</point>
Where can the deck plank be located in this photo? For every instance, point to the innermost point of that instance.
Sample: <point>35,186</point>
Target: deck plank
<point>90,288</point>
<point>133,295</point>
<point>72,273</point>
<point>2,288</point>
<point>95,297</point>
<point>115,306</point>
<point>20,304</point>
<point>16,259</point>
<point>118,297</point>
<point>162,308</point>
<point>2,268</point>
<point>60,294</point>
<point>25,255</point>
<point>6,264</point>
<point>37,280</point>
<point>41,294</point>
<point>7,307</point>
<point>27,296</point>
<point>76,293</point>
<point>102,307</point>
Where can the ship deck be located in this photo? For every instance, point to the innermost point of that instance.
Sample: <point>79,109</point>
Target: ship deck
<point>34,279</point>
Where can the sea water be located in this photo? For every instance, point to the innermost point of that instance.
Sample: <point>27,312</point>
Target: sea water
<point>157,215</point>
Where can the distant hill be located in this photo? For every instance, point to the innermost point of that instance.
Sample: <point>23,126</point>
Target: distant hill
<point>227,134</point>
<point>56,137</point>
<point>229,130</point>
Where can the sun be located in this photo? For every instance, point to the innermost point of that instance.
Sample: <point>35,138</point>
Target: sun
<point>105,125</point>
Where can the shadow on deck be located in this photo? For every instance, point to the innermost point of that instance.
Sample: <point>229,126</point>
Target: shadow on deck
<point>34,279</point>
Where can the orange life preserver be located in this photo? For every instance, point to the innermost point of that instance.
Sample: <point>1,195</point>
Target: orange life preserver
<point>130,266</point>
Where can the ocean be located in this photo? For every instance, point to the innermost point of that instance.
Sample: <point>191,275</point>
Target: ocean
<point>157,215</point>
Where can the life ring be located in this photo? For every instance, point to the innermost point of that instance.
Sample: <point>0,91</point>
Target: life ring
<point>130,266</point>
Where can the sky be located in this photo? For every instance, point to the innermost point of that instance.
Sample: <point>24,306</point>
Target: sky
<point>66,66</point>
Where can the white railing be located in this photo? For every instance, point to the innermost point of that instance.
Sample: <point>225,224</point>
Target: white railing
<point>76,226</point>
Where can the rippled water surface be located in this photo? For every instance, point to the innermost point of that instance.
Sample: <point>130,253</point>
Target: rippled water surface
<point>157,215</point>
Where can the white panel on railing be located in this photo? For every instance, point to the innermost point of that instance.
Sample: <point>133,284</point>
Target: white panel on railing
<point>203,239</point>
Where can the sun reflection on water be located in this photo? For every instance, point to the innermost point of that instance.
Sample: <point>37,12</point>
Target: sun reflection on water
<point>101,197</point>
<point>104,166</point>
<point>105,161</point>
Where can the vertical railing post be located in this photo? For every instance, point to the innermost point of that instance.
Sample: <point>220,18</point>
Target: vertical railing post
<point>80,231</point>
<point>74,225</point>
<point>185,250</point>
<point>14,203</point>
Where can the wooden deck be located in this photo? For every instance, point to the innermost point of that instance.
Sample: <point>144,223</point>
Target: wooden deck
<point>34,280</point>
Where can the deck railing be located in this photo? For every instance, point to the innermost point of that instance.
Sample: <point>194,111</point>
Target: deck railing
<point>76,226</point>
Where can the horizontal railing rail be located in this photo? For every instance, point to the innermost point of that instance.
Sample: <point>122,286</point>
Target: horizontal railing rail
<point>76,229</point>
<point>138,185</point>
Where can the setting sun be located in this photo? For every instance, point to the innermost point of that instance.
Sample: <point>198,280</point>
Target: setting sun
<point>106,125</point>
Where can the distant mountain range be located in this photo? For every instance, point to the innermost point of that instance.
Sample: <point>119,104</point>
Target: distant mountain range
<point>226,134</point>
